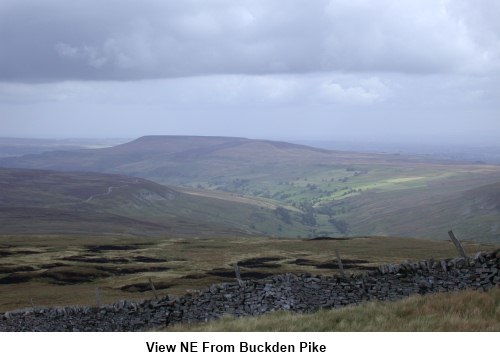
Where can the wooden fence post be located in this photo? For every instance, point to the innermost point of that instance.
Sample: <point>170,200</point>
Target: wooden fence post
<point>238,275</point>
<point>97,297</point>
<point>458,244</point>
<point>339,263</point>
<point>153,288</point>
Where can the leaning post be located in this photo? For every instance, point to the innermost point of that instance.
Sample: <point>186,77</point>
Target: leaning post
<point>153,288</point>
<point>458,244</point>
<point>339,263</point>
<point>238,274</point>
<point>97,297</point>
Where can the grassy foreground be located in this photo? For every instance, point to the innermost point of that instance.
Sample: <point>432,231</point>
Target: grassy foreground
<point>50,270</point>
<point>446,312</point>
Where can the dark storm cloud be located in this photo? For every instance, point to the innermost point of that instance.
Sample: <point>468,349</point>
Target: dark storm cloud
<point>54,40</point>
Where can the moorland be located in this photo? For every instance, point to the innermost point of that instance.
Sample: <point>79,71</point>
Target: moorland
<point>310,191</point>
<point>50,270</point>
<point>182,210</point>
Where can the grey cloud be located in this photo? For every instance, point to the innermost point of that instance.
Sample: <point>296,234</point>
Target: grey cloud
<point>210,91</point>
<point>58,40</point>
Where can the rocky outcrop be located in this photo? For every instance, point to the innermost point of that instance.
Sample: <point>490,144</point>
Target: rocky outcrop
<point>299,293</point>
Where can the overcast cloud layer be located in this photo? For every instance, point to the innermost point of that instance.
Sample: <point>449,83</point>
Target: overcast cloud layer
<point>275,69</point>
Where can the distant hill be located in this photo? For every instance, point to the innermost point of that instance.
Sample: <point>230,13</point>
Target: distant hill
<point>327,192</point>
<point>13,147</point>
<point>40,201</point>
<point>164,158</point>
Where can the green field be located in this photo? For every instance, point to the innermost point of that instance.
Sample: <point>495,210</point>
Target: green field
<point>424,201</point>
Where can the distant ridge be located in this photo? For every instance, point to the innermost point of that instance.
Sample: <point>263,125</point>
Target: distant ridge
<point>148,153</point>
<point>189,146</point>
<point>321,192</point>
<point>166,143</point>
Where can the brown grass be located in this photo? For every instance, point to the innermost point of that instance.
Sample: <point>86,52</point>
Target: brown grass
<point>53,263</point>
<point>470,311</point>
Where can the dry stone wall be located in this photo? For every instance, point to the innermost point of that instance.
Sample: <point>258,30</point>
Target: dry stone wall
<point>299,293</point>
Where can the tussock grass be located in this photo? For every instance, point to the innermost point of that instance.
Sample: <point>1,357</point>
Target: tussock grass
<point>79,264</point>
<point>446,312</point>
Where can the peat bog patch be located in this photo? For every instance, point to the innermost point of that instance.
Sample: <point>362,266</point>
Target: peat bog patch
<point>57,270</point>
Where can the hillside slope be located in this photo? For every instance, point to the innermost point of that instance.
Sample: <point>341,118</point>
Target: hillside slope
<point>39,201</point>
<point>474,212</point>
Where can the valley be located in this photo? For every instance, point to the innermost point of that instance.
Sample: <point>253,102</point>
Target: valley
<point>303,191</point>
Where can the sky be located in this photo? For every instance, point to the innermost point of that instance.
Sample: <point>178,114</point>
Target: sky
<point>360,70</point>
